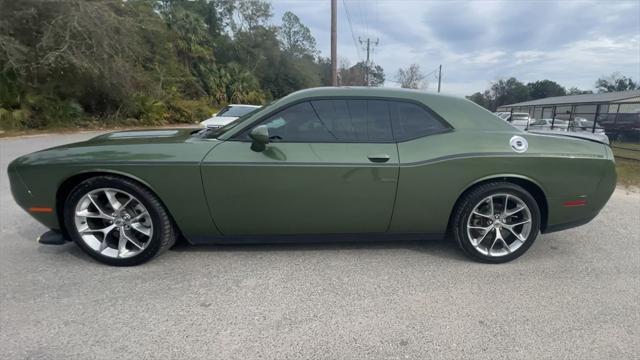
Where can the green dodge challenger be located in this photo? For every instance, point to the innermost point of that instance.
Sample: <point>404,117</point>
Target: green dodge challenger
<point>320,164</point>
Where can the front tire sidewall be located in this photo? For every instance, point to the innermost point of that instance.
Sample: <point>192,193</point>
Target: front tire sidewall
<point>477,195</point>
<point>143,195</point>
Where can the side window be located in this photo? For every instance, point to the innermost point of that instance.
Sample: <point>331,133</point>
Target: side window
<point>298,123</point>
<point>355,120</point>
<point>412,121</point>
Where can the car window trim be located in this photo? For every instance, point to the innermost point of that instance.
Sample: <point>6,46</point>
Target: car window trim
<point>242,135</point>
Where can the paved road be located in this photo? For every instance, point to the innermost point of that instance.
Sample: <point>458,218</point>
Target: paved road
<point>574,295</point>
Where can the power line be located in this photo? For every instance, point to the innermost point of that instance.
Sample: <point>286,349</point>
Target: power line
<point>353,36</point>
<point>432,72</point>
<point>367,64</point>
<point>368,47</point>
<point>376,12</point>
<point>365,16</point>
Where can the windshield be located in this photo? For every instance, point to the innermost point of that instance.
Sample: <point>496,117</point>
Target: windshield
<point>215,132</point>
<point>235,111</point>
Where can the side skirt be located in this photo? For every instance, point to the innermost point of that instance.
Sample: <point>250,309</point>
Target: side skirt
<point>310,238</point>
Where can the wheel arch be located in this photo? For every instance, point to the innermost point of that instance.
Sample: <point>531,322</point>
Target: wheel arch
<point>533,187</point>
<point>67,185</point>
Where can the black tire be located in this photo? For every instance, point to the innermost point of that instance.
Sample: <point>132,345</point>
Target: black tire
<point>472,198</point>
<point>161,239</point>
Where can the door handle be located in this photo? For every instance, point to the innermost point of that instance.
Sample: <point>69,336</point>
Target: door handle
<point>379,158</point>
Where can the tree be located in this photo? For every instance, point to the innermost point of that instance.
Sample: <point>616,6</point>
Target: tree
<point>545,88</point>
<point>356,75</point>
<point>251,14</point>
<point>576,91</point>
<point>75,62</point>
<point>192,39</point>
<point>376,75</point>
<point>615,82</point>
<point>324,66</point>
<point>411,78</point>
<point>482,99</point>
<point>509,91</point>
<point>296,38</point>
<point>502,92</point>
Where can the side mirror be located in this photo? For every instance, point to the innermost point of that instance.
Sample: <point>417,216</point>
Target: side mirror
<point>260,137</point>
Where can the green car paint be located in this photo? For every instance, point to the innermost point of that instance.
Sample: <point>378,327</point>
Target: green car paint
<point>220,187</point>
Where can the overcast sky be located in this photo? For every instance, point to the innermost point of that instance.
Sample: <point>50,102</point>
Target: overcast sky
<point>571,42</point>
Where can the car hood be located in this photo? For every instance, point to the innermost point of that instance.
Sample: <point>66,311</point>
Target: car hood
<point>163,136</point>
<point>137,146</point>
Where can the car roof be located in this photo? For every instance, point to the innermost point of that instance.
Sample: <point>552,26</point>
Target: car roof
<point>244,105</point>
<point>365,91</point>
<point>458,111</point>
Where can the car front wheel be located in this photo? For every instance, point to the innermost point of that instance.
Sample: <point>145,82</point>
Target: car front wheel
<point>496,222</point>
<point>117,221</point>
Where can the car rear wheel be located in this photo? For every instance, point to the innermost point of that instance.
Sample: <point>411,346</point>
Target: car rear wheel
<point>117,221</point>
<point>496,222</point>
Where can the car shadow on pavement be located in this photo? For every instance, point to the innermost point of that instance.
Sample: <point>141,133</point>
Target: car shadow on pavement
<point>438,248</point>
<point>444,249</point>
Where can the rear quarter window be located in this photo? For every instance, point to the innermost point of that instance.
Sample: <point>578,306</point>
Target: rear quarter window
<point>412,121</point>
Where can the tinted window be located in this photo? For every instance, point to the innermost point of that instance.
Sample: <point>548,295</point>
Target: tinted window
<point>345,120</point>
<point>298,123</point>
<point>412,121</point>
<point>356,120</point>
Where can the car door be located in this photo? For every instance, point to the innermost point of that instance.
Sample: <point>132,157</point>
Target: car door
<point>424,143</point>
<point>331,168</point>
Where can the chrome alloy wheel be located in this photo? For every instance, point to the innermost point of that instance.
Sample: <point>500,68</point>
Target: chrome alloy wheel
<point>113,223</point>
<point>499,224</point>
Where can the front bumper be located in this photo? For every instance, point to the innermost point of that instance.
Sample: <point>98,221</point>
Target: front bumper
<point>27,200</point>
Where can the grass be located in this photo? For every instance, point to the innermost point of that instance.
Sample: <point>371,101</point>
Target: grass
<point>628,145</point>
<point>626,150</point>
<point>628,172</point>
<point>627,163</point>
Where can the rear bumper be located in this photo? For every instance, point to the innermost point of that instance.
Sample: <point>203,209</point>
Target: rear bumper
<point>563,215</point>
<point>569,225</point>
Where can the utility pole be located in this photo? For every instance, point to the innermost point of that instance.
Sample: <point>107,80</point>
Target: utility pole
<point>366,64</point>
<point>439,77</point>
<point>334,55</point>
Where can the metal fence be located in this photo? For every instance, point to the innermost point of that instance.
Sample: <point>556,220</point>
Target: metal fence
<point>620,122</point>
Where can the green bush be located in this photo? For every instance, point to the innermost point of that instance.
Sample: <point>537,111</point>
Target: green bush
<point>78,63</point>
<point>12,119</point>
<point>148,110</point>
<point>188,111</point>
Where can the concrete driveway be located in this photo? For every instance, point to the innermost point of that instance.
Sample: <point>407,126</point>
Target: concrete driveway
<point>574,295</point>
